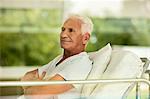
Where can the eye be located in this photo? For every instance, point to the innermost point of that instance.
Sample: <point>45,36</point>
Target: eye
<point>62,29</point>
<point>70,30</point>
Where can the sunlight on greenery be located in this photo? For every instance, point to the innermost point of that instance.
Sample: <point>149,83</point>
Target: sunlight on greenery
<point>31,37</point>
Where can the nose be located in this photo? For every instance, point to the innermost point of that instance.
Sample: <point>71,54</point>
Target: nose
<point>63,34</point>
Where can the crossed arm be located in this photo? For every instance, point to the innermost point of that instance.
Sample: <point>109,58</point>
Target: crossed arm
<point>48,89</point>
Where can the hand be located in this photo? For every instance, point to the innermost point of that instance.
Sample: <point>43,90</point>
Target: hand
<point>32,76</point>
<point>42,76</point>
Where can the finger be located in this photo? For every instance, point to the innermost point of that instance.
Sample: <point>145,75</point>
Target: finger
<point>43,75</point>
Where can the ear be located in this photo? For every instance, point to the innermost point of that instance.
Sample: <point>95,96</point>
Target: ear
<point>86,37</point>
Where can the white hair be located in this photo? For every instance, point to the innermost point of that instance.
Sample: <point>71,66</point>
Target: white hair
<point>86,23</point>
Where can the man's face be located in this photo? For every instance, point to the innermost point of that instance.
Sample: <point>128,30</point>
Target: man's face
<point>71,35</point>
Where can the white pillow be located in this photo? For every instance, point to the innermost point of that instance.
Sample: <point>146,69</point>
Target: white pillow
<point>123,64</point>
<point>100,60</point>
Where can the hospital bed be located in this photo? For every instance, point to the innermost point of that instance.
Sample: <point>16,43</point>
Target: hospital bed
<point>137,82</point>
<point>133,82</point>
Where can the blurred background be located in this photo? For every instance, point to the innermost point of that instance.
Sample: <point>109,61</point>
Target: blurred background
<point>29,30</point>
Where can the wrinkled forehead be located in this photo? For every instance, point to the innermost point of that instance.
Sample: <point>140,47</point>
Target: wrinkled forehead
<point>72,22</point>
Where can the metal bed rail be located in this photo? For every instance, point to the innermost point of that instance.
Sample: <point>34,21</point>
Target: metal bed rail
<point>42,83</point>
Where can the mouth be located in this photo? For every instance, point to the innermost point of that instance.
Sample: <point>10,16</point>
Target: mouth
<point>64,40</point>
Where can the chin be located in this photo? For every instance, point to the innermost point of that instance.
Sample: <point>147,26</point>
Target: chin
<point>66,47</point>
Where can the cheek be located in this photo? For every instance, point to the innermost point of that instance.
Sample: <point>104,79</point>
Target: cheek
<point>78,40</point>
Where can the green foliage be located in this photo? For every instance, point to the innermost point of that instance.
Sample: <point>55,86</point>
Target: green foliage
<point>30,17</point>
<point>28,49</point>
<point>123,31</point>
<point>40,48</point>
<point>11,49</point>
<point>29,36</point>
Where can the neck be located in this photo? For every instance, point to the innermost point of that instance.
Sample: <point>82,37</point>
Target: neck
<point>71,53</point>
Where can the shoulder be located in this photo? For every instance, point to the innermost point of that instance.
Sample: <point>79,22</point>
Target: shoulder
<point>81,57</point>
<point>79,61</point>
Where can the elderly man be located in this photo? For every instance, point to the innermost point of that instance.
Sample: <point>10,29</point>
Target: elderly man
<point>73,64</point>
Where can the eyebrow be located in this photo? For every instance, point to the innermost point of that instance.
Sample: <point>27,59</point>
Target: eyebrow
<point>69,28</point>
